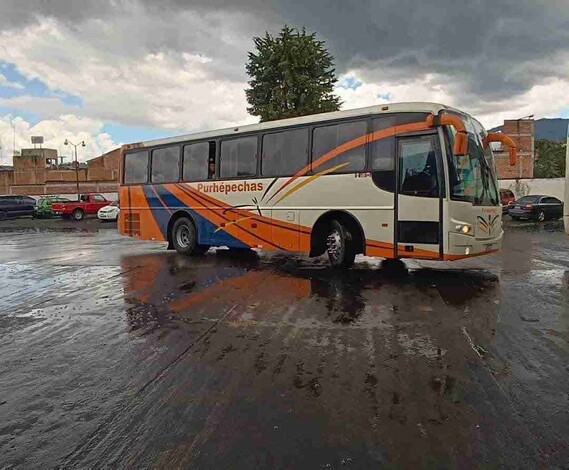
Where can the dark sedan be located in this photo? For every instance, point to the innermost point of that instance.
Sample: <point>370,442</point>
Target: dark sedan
<point>16,206</point>
<point>537,208</point>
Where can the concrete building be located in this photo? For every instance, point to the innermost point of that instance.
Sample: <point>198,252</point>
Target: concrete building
<point>41,171</point>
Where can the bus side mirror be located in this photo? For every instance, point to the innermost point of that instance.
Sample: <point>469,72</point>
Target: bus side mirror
<point>507,141</point>
<point>460,144</point>
<point>461,137</point>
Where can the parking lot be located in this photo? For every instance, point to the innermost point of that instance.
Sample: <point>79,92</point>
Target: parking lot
<point>115,352</point>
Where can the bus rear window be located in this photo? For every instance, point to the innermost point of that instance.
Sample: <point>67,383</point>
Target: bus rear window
<point>136,167</point>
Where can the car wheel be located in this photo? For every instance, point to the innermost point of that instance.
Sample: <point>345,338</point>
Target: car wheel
<point>184,238</point>
<point>541,216</point>
<point>78,214</point>
<point>340,247</point>
<point>3,215</point>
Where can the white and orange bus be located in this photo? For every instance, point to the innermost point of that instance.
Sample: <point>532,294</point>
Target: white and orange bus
<point>409,180</point>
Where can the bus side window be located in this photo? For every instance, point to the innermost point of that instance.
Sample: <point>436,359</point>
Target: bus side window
<point>382,154</point>
<point>284,153</point>
<point>328,138</point>
<point>166,165</point>
<point>136,167</point>
<point>211,161</point>
<point>239,157</point>
<point>196,162</point>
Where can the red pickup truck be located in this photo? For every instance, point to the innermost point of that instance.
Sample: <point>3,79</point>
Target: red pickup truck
<point>76,210</point>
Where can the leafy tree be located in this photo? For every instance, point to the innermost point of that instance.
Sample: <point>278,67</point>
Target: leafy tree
<point>550,159</point>
<point>292,75</point>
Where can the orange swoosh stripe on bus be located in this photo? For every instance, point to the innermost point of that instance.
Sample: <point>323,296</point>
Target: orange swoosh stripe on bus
<point>267,228</point>
<point>217,217</point>
<point>357,142</point>
<point>310,180</point>
<point>231,223</point>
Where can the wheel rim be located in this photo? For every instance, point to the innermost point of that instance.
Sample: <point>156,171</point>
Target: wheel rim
<point>78,215</point>
<point>541,216</point>
<point>183,236</point>
<point>334,244</point>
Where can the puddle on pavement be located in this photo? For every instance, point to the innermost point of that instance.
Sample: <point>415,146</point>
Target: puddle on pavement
<point>48,230</point>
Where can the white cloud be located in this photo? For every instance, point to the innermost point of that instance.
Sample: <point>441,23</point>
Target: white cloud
<point>184,70</point>
<point>165,89</point>
<point>545,100</point>
<point>55,131</point>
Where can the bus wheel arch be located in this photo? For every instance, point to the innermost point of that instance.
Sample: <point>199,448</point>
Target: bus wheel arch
<point>321,228</point>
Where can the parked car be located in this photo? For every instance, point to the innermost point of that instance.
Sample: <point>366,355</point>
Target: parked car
<point>110,212</point>
<point>77,210</point>
<point>537,207</point>
<point>507,199</point>
<point>16,206</point>
<point>43,206</point>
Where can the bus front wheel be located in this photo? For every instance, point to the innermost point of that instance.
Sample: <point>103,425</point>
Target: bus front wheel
<point>340,246</point>
<point>184,238</point>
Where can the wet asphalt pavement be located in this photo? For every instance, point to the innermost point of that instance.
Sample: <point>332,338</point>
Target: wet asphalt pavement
<point>114,352</point>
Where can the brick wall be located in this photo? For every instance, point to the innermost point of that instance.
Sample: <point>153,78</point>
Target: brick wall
<point>66,175</point>
<point>63,188</point>
<point>30,175</point>
<point>105,167</point>
<point>522,132</point>
<point>6,180</point>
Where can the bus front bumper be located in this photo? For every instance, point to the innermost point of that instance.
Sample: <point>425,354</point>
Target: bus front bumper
<point>464,246</point>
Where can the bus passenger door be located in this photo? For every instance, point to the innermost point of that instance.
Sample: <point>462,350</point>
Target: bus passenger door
<point>419,189</point>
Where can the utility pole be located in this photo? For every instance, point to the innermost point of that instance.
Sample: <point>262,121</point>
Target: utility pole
<point>82,144</point>
<point>566,197</point>
<point>14,147</point>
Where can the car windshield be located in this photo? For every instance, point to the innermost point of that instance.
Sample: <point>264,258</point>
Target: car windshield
<point>527,200</point>
<point>114,204</point>
<point>473,176</point>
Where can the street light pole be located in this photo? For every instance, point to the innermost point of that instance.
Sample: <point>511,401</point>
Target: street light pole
<point>566,197</point>
<point>82,144</point>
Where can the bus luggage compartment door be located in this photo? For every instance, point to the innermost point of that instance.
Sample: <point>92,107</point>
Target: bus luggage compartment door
<point>418,232</point>
<point>285,228</point>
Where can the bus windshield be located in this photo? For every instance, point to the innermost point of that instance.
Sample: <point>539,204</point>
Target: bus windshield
<point>472,177</point>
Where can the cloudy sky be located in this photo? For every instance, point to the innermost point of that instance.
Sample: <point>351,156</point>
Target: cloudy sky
<point>118,71</point>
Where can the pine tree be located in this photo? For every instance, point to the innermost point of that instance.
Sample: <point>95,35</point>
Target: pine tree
<point>291,75</point>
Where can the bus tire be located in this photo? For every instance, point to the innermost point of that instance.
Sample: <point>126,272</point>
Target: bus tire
<point>184,238</point>
<point>340,246</point>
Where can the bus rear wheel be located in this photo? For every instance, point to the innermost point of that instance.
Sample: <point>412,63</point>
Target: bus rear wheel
<point>340,246</point>
<point>184,238</point>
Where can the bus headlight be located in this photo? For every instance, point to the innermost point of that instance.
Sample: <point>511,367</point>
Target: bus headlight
<point>464,228</point>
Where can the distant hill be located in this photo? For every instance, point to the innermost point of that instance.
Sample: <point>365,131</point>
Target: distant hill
<point>547,129</point>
